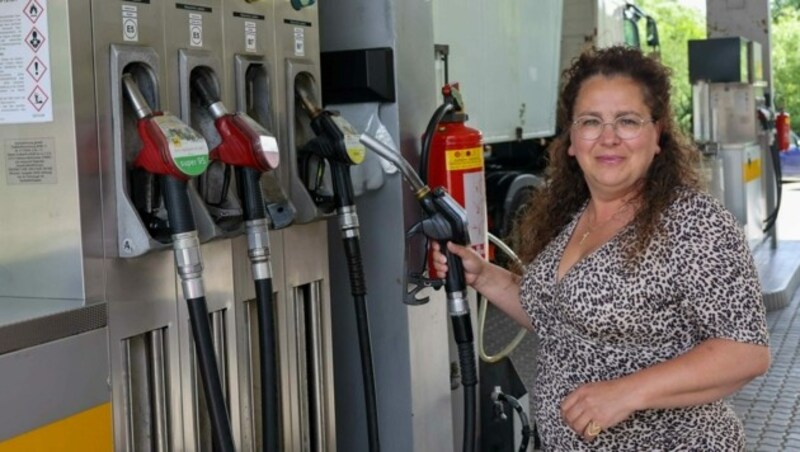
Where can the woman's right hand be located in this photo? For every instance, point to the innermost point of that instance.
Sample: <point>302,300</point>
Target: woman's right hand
<point>472,261</point>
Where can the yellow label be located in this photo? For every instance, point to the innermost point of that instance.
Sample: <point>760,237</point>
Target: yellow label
<point>464,159</point>
<point>751,170</point>
<point>88,431</point>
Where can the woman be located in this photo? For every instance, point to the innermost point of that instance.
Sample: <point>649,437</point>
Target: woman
<point>641,287</point>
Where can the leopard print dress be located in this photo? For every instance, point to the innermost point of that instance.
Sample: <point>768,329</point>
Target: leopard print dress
<point>604,320</point>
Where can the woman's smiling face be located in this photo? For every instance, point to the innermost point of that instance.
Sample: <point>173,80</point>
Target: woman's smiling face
<point>613,166</point>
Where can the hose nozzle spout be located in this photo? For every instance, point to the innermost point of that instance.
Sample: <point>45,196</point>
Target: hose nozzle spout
<point>204,88</point>
<point>308,105</point>
<point>136,97</point>
<point>389,154</point>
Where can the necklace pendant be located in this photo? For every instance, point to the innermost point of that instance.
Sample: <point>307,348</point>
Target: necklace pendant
<point>583,237</point>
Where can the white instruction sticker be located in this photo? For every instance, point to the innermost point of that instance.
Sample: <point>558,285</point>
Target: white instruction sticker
<point>130,23</point>
<point>475,205</point>
<point>196,30</point>
<point>25,89</point>
<point>30,162</point>
<point>250,37</point>
<point>299,41</point>
<point>188,149</point>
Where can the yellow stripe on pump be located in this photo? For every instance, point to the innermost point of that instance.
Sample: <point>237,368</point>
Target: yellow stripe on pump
<point>87,431</point>
<point>751,170</point>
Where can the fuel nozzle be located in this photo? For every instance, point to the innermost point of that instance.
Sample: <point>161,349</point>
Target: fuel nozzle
<point>245,143</point>
<point>336,139</point>
<point>169,146</point>
<point>445,220</point>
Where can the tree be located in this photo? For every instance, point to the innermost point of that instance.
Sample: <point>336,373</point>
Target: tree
<point>785,64</point>
<point>676,25</point>
<point>782,7</point>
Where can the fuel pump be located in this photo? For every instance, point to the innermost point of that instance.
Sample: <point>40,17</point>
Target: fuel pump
<point>446,221</point>
<point>337,144</point>
<point>174,152</point>
<point>251,150</point>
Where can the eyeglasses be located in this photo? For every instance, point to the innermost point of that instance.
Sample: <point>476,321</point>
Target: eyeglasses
<point>626,127</point>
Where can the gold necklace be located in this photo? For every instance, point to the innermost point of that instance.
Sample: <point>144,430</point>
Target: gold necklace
<point>591,229</point>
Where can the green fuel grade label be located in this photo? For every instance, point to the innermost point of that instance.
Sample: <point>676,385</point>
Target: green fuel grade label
<point>188,149</point>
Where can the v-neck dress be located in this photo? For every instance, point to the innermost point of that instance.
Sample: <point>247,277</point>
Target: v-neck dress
<point>604,319</point>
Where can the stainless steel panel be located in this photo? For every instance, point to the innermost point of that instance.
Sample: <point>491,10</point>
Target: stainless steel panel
<point>51,246</point>
<point>159,390</point>
<point>297,44</point>
<point>141,292</point>
<point>305,265</point>
<point>745,198</point>
<point>733,112</point>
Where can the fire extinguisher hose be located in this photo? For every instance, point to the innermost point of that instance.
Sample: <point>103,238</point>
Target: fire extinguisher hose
<point>254,212</point>
<point>428,137</point>
<point>181,221</point>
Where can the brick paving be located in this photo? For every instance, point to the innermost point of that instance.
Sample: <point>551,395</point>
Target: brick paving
<point>770,405</point>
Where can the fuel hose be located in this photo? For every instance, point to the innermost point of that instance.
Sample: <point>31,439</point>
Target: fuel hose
<point>190,269</point>
<point>258,249</point>
<point>348,222</point>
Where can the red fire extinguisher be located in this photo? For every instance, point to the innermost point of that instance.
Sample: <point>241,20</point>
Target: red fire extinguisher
<point>783,130</point>
<point>455,162</point>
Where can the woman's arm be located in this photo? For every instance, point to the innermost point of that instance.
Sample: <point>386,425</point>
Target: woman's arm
<point>497,284</point>
<point>710,371</point>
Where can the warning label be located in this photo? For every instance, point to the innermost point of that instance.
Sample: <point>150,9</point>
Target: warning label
<point>464,159</point>
<point>25,87</point>
<point>30,161</point>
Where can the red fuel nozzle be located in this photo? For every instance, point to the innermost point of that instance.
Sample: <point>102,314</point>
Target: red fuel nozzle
<point>245,143</point>
<point>169,147</point>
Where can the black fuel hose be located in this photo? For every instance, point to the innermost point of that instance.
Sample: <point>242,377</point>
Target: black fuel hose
<point>462,332</point>
<point>181,221</point>
<point>253,203</point>
<point>343,188</point>
<point>176,201</point>
<point>772,218</point>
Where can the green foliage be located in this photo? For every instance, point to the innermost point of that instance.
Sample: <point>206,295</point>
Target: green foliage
<point>785,44</point>
<point>780,8</point>
<point>676,25</point>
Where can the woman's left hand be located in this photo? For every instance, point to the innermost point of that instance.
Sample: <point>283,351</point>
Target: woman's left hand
<point>597,406</point>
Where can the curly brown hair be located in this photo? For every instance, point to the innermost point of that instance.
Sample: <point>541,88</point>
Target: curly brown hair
<point>554,205</point>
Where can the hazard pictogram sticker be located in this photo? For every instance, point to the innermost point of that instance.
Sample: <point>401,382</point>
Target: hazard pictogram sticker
<point>35,39</point>
<point>38,98</point>
<point>33,10</point>
<point>36,69</point>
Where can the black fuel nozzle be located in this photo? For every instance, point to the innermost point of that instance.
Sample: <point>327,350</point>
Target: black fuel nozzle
<point>337,142</point>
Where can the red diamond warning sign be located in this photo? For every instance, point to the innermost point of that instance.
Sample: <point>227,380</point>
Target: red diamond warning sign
<point>33,10</point>
<point>38,98</point>
<point>35,39</point>
<point>36,69</point>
